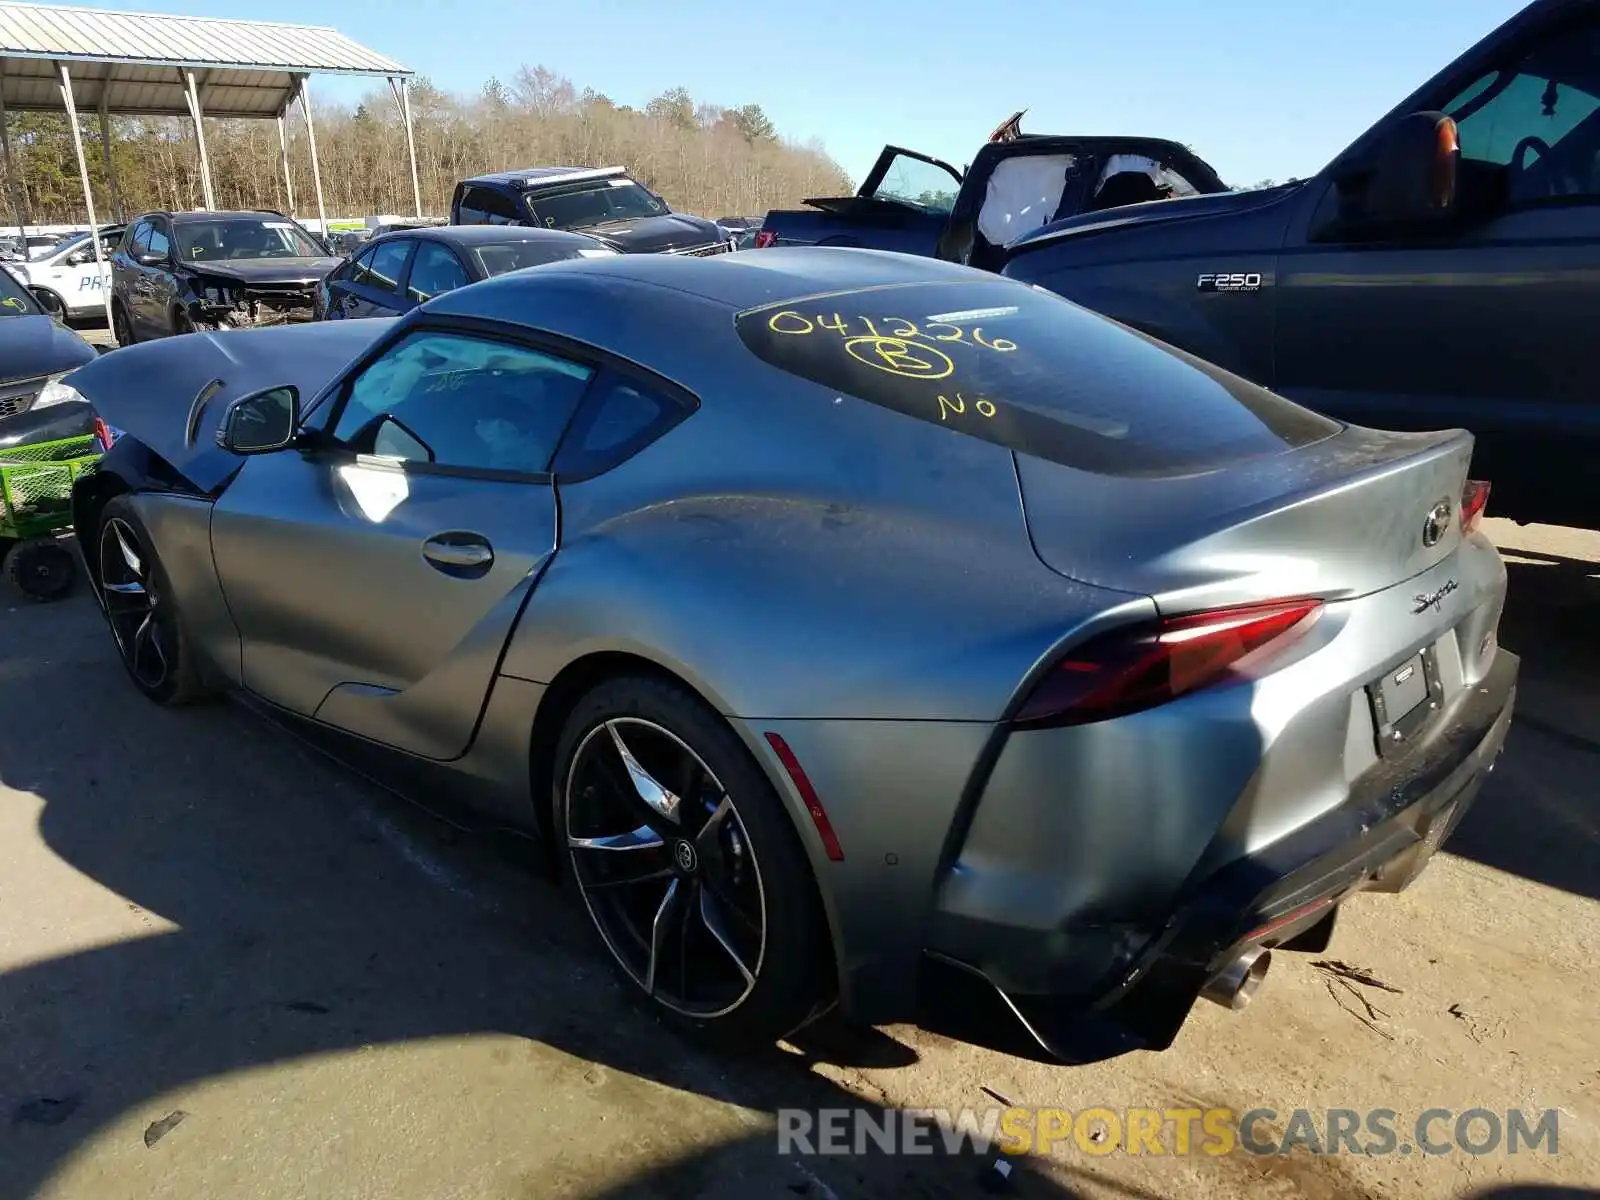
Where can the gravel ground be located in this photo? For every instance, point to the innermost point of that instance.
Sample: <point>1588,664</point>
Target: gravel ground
<point>230,969</point>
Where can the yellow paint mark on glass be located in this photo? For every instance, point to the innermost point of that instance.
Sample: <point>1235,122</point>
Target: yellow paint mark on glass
<point>793,323</point>
<point>909,360</point>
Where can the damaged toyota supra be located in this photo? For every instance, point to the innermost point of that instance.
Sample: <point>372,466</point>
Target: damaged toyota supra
<point>1028,679</point>
<point>181,272</point>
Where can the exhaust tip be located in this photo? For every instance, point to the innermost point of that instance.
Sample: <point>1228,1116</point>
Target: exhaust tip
<point>1236,984</point>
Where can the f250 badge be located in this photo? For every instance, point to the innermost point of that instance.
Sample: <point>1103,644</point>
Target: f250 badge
<point>1237,282</point>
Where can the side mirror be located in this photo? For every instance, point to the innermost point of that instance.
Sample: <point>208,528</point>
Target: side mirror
<point>150,260</point>
<point>1413,177</point>
<point>46,300</point>
<point>79,258</point>
<point>261,422</point>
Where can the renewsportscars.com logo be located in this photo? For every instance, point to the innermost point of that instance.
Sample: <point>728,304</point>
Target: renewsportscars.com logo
<point>1211,1132</point>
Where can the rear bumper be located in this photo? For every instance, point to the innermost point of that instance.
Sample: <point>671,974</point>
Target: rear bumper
<point>1379,839</point>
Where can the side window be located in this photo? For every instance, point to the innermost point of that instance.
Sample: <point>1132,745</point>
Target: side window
<point>382,267</point>
<point>470,210</point>
<point>434,271</point>
<point>138,241</point>
<point>158,239</point>
<point>918,184</point>
<point>454,400</point>
<point>622,416</point>
<point>1538,117</point>
<point>360,266</point>
<point>485,206</point>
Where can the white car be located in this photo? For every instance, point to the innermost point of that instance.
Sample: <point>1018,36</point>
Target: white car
<point>69,272</point>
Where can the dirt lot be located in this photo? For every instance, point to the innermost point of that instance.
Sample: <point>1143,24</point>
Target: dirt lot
<point>229,969</point>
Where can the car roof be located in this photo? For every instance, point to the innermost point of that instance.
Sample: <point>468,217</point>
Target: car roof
<point>739,280</point>
<point>212,214</point>
<point>486,235</point>
<point>261,214</point>
<point>539,176</point>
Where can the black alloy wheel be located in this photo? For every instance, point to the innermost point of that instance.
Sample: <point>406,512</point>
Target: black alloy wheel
<point>137,599</point>
<point>687,863</point>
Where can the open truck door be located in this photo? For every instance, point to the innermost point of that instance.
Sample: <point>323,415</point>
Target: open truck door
<point>1019,183</point>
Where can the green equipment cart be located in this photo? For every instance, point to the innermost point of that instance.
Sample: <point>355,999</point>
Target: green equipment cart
<point>36,512</point>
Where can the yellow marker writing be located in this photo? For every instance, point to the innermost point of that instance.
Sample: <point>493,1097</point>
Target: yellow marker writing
<point>910,360</point>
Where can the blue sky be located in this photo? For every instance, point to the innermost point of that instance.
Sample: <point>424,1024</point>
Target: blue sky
<point>1258,87</point>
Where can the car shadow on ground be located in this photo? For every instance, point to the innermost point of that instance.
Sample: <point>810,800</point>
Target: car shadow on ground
<point>1531,820</point>
<point>306,926</point>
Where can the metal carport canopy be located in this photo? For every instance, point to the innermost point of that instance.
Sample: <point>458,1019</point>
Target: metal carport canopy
<point>155,64</point>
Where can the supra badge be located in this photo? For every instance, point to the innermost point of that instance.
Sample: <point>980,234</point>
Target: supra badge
<point>1236,282</point>
<point>1423,601</point>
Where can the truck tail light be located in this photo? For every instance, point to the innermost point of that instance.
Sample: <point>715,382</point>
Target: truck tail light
<point>766,238</point>
<point>1128,670</point>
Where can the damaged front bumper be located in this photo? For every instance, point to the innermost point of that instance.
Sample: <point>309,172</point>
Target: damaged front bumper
<point>252,307</point>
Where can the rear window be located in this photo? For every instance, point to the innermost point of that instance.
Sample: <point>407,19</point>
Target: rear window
<point>1028,371</point>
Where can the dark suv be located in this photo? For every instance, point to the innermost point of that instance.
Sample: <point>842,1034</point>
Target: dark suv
<point>186,271</point>
<point>606,203</point>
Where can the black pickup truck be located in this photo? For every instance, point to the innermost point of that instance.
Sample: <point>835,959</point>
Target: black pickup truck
<point>1444,271</point>
<point>1018,182</point>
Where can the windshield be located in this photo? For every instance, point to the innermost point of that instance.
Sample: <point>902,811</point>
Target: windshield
<point>1028,371</point>
<point>501,257</point>
<point>108,244</point>
<point>222,238</point>
<point>593,204</point>
<point>15,300</point>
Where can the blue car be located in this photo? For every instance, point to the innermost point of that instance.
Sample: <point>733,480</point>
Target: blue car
<point>395,272</point>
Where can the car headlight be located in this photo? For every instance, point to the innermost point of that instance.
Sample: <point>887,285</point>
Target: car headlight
<point>55,391</point>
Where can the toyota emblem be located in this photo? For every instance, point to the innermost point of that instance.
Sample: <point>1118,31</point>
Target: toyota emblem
<point>1438,521</point>
<point>684,853</point>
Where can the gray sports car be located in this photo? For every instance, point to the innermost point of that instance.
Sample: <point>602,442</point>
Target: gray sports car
<point>850,626</point>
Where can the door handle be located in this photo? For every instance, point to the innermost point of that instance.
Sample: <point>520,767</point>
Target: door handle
<point>467,555</point>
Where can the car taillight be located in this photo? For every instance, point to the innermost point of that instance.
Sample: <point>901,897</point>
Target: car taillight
<point>1128,670</point>
<point>105,435</point>
<point>766,238</point>
<point>1474,499</point>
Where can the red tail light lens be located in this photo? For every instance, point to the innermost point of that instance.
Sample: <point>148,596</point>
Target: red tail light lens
<point>766,238</point>
<point>1474,499</point>
<point>1129,670</point>
<point>104,435</point>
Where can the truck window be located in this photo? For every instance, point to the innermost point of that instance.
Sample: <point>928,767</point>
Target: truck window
<point>485,206</point>
<point>593,204</point>
<point>920,185</point>
<point>1538,116</point>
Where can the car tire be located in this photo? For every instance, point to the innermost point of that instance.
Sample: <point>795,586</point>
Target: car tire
<point>121,327</point>
<point>732,925</point>
<point>141,610</point>
<point>41,568</point>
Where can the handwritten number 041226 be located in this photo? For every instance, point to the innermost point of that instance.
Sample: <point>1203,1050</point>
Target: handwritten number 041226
<point>797,325</point>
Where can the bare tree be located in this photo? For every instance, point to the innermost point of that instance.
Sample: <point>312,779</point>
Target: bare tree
<point>702,157</point>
